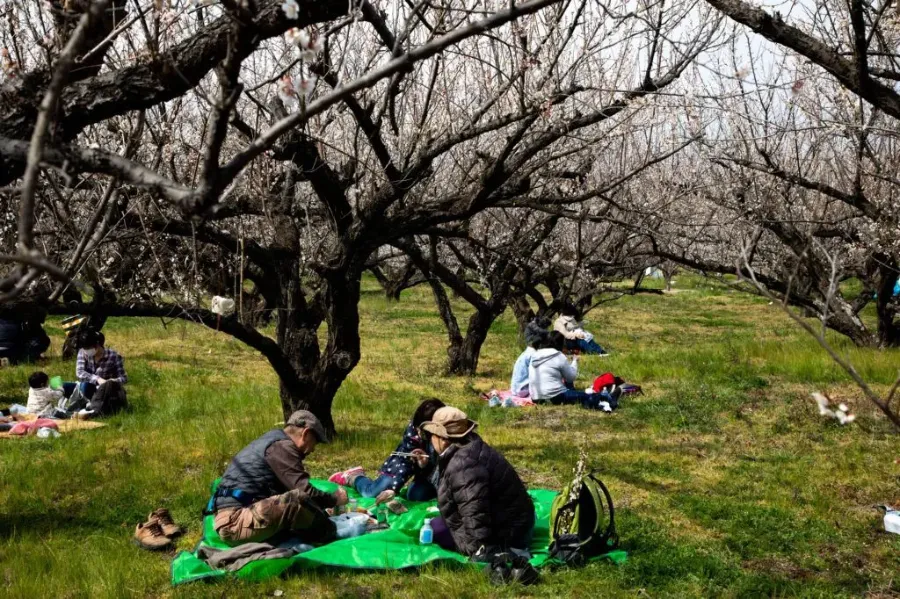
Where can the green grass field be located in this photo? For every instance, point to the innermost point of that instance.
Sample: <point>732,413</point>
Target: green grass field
<point>727,481</point>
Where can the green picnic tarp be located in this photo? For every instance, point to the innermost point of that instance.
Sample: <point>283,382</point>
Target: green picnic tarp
<point>391,549</point>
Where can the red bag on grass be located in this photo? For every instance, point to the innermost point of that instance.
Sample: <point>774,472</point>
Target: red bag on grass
<point>607,379</point>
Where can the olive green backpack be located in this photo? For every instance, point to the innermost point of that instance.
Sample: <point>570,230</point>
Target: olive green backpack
<point>582,523</point>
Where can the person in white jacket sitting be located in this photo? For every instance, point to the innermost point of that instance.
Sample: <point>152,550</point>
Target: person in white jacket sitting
<point>552,378</point>
<point>41,398</point>
<point>576,337</point>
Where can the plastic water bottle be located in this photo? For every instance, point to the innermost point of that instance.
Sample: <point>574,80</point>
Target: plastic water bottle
<point>352,506</point>
<point>494,401</point>
<point>508,403</point>
<point>426,534</point>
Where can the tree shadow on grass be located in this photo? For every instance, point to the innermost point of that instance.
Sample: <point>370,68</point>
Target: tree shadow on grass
<point>46,522</point>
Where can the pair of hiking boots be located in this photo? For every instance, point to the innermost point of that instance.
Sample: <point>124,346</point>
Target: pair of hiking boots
<point>158,532</point>
<point>508,568</point>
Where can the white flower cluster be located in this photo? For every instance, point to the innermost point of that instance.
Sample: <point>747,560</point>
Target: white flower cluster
<point>309,46</point>
<point>291,9</point>
<point>290,88</point>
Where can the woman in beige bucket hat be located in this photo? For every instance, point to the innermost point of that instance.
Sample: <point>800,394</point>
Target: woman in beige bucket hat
<point>485,507</point>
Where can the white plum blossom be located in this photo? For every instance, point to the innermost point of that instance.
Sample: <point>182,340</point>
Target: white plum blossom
<point>286,89</point>
<point>315,44</point>
<point>308,44</point>
<point>291,9</point>
<point>291,88</point>
<point>294,36</point>
<point>305,86</point>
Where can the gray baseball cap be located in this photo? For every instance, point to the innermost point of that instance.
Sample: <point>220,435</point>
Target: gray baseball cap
<point>306,419</point>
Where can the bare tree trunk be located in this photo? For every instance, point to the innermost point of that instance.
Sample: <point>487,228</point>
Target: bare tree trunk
<point>342,352</point>
<point>392,293</point>
<point>392,288</point>
<point>445,311</point>
<point>639,278</point>
<point>319,373</point>
<point>886,306</point>
<point>464,358</point>
<point>523,311</point>
<point>846,323</point>
<point>296,334</point>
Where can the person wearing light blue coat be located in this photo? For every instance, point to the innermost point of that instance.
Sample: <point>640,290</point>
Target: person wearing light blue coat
<point>535,335</point>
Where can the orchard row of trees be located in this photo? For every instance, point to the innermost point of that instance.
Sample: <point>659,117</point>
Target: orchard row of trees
<point>515,155</point>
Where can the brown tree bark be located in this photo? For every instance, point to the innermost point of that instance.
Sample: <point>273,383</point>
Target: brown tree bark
<point>523,311</point>
<point>463,359</point>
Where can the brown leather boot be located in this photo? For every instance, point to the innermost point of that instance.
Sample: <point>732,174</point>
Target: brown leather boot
<point>164,519</point>
<point>149,535</point>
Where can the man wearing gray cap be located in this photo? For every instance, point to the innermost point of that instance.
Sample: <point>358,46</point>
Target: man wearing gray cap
<point>266,490</point>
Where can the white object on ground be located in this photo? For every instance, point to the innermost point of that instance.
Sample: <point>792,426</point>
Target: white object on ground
<point>842,414</point>
<point>843,417</point>
<point>605,406</point>
<point>892,522</point>
<point>350,525</point>
<point>222,306</point>
<point>46,432</point>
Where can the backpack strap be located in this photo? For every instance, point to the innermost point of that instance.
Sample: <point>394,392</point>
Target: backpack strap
<point>555,527</point>
<point>610,533</point>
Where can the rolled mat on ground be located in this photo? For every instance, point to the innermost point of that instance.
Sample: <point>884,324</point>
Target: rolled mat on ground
<point>392,549</point>
<point>63,426</point>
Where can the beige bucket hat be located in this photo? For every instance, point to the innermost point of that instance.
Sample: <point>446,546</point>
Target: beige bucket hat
<point>449,423</point>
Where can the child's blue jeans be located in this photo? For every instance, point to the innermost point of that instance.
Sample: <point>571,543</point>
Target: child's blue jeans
<point>417,490</point>
<point>372,488</point>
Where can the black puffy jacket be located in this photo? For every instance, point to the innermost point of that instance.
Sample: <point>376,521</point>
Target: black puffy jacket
<point>482,499</point>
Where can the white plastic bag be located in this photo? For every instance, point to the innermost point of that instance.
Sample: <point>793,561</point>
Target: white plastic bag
<point>350,525</point>
<point>892,522</point>
<point>222,306</point>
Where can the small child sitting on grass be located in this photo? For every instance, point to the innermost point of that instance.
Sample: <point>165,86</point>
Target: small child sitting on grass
<point>41,398</point>
<point>398,469</point>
